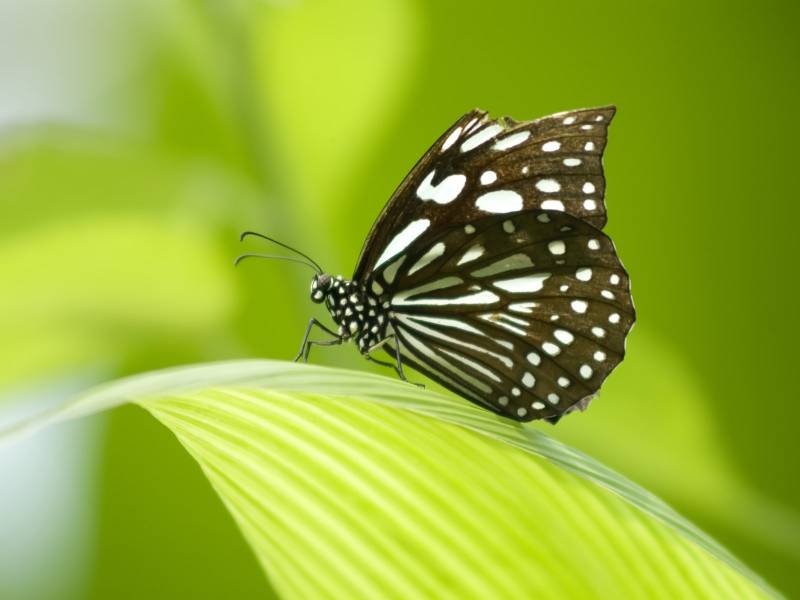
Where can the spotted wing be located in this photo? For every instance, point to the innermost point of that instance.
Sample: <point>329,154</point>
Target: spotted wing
<point>482,166</point>
<point>525,313</point>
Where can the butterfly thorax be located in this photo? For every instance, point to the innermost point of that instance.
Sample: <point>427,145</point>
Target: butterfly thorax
<point>360,314</point>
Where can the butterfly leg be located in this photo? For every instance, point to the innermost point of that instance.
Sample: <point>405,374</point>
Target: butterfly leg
<point>398,366</point>
<point>305,347</point>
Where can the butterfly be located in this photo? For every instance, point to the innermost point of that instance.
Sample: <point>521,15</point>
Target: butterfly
<point>488,270</point>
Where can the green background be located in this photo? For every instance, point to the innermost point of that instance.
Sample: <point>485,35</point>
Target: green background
<point>138,138</point>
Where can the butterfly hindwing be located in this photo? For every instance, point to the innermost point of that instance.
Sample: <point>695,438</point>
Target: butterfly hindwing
<point>481,167</point>
<point>525,313</point>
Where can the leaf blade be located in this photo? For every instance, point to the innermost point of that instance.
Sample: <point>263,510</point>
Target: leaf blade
<point>346,482</point>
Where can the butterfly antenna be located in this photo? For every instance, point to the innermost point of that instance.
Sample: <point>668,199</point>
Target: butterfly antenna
<point>288,247</point>
<point>275,257</point>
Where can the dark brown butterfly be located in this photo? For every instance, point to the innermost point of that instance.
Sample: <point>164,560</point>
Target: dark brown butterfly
<point>488,272</point>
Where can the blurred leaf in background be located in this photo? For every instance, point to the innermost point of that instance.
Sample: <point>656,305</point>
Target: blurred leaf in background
<point>139,138</point>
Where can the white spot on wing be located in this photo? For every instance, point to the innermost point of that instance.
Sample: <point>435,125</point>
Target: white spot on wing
<point>515,139</point>
<point>488,177</point>
<point>551,349</point>
<point>572,162</point>
<point>528,380</point>
<point>451,139</point>
<point>588,188</point>
<point>579,306</point>
<point>583,274</point>
<point>447,190</point>
<point>548,186</point>
<point>402,240</point>
<point>557,247</point>
<point>552,205</point>
<point>564,336</point>
<point>483,136</point>
<point>551,146</point>
<point>500,201</point>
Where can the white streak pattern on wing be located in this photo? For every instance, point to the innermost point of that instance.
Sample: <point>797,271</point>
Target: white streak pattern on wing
<point>427,351</point>
<point>473,253</point>
<point>509,263</point>
<point>497,319</point>
<point>431,255</point>
<point>473,364</point>
<point>454,323</point>
<point>463,390</point>
<point>526,283</point>
<point>402,240</point>
<point>410,322</point>
<point>438,284</point>
<point>523,307</point>
<point>483,297</point>
<point>390,272</point>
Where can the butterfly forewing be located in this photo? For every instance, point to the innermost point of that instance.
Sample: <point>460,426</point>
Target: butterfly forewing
<point>482,167</point>
<point>526,313</point>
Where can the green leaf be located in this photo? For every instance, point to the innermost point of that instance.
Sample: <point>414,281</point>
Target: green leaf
<point>352,485</point>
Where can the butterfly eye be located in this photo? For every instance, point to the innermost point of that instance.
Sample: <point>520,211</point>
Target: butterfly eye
<point>320,286</point>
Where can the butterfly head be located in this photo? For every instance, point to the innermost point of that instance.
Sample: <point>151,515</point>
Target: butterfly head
<point>320,287</point>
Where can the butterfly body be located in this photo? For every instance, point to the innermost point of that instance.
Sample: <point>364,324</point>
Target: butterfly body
<point>488,270</point>
<point>359,314</point>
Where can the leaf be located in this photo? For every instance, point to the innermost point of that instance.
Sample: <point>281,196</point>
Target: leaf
<point>352,485</point>
<point>695,470</point>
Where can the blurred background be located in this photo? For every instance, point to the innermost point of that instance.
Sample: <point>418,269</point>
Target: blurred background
<point>138,138</point>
